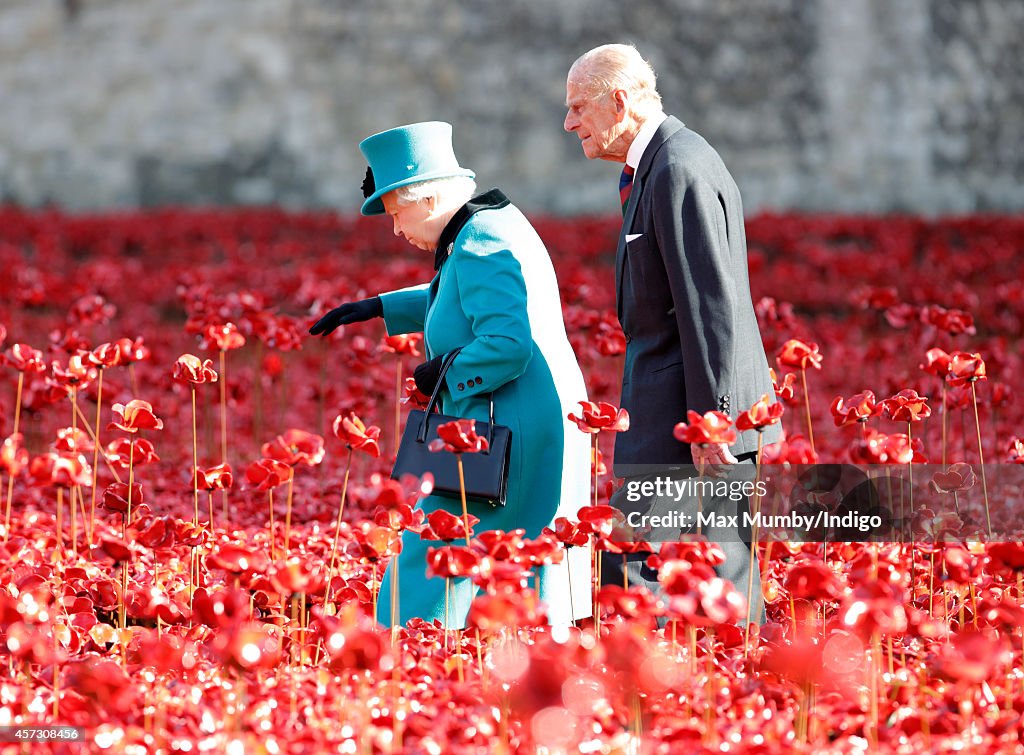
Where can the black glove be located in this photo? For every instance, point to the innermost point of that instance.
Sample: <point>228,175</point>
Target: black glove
<point>348,313</point>
<point>427,374</point>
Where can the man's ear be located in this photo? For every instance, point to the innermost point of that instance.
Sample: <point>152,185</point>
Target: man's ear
<point>621,100</point>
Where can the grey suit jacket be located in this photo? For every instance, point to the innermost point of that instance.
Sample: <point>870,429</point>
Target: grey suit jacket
<point>683,295</point>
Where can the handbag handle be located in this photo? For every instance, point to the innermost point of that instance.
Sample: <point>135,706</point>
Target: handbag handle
<point>421,437</point>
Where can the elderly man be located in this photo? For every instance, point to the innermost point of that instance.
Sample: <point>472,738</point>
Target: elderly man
<point>683,296</point>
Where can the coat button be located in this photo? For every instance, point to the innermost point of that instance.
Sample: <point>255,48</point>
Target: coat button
<point>629,337</point>
<point>479,380</point>
<point>462,387</point>
<point>470,382</point>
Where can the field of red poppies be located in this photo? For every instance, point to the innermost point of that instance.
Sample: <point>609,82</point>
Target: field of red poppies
<point>196,512</point>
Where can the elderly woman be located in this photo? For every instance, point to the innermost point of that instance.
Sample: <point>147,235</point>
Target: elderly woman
<point>495,297</point>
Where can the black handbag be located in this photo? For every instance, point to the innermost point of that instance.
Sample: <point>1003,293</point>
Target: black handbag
<point>485,472</point>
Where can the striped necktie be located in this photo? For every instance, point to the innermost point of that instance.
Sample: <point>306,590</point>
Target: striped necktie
<point>625,186</point>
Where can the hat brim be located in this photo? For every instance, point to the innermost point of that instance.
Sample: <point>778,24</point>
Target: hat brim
<point>373,204</point>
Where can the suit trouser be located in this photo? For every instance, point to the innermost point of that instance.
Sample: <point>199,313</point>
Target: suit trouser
<point>734,541</point>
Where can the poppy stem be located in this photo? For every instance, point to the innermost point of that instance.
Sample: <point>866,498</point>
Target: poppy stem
<point>273,537</point>
<point>572,605</point>
<point>462,492</point>
<point>398,402</point>
<point>223,411</point>
<point>807,408</point>
<point>700,494</point>
<point>753,544</point>
<point>981,458</point>
<point>96,451</point>
<point>10,481</point>
<point>86,425</point>
<point>909,466</point>
<point>223,427</point>
<point>337,531</point>
<point>60,521</point>
<point>593,466</point>
<point>945,418</point>
<point>195,462</point>
<point>131,479</point>
<point>395,616</point>
<point>288,512</point>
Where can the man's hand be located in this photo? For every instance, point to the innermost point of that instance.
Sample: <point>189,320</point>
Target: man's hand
<point>711,454</point>
<point>348,313</point>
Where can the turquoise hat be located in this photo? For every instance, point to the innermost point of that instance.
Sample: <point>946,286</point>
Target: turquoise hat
<point>407,155</point>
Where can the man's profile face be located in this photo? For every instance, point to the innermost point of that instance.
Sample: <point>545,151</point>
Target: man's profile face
<point>595,120</point>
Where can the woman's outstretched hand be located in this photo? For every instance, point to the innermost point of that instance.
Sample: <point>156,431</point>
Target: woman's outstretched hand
<point>348,313</point>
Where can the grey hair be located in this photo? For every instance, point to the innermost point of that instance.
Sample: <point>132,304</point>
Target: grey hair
<point>458,189</point>
<point>609,67</point>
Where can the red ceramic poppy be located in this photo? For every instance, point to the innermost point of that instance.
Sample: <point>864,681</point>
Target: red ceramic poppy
<point>600,417</point>
<point>295,447</point>
<point>351,431</point>
<point>799,355</point>
<point>105,355</point>
<point>599,520</point>
<point>62,471</point>
<point>452,561</point>
<point>812,580</point>
<point>965,368</point>
<point>713,427</point>
<point>78,372</point>
<point>956,479</point>
<point>115,497</point>
<point>248,647</point>
<point>400,517</point>
<point>784,390</point>
<point>407,343</point>
<point>759,416</point>
<point>191,369</point>
<point>71,440</point>
<point>412,395</point>
<point>266,474</point>
<point>223,337</point>
<point>458,437</point>
<point>443,525</point>
<point>214,478</point>
<point>568,532</point>
<point>936,362</point>
<point>24,358</point>
<point>237,559</point>
<point>973,657</point>
<point>13,455</point>
<point>492,612</point>
<point>124,451</point>
<point>134,416</point>
<point>116,548</point>
<point>858,408</point>
<point>906,406</point>
<point>132,350</point>
<point>1015,451</point>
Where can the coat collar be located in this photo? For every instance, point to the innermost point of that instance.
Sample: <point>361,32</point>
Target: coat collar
<point>490,200</point>
<point>667,128</point>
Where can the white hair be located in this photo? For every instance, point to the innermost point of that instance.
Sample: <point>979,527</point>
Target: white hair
<point>609,67</point>
<point>456,189</point>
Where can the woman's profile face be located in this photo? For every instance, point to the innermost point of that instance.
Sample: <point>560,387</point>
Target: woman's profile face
<point>418,223</point>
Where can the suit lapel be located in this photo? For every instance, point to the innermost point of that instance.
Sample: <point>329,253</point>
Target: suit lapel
<point>670,126</point>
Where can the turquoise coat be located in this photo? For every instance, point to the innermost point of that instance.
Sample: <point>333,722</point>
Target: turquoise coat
<point>496,296</point>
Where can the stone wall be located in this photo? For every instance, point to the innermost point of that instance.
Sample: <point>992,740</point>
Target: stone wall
<point>847,105</point>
